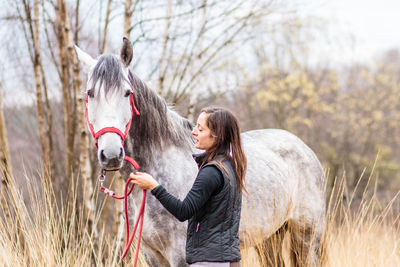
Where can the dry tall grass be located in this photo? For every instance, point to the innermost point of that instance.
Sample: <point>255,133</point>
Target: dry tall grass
<point>366,234</point>
<point>41,233</point>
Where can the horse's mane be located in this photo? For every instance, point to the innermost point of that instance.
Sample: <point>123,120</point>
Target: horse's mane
<point>157,126</point>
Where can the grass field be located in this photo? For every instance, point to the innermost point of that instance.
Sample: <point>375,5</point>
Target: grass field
<point>36,232</point>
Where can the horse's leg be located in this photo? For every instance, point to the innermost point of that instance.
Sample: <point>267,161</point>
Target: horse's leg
<point>305,243</point>
<point>270,250</point>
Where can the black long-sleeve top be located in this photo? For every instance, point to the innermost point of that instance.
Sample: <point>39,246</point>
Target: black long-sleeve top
<point>209,181</point>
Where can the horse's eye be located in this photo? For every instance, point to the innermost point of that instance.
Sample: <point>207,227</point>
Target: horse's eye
<point>90,93</point>
<point>127,93</point>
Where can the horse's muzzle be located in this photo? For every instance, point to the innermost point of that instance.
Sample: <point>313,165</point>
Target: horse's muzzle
<point>111,159</point>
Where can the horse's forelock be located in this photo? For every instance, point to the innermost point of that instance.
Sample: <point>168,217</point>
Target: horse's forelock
<point>108,74</point>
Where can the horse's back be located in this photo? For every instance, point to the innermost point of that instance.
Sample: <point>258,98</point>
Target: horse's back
<point>284,180</point>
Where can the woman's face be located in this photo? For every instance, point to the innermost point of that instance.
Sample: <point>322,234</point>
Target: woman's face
<point>202,134</point>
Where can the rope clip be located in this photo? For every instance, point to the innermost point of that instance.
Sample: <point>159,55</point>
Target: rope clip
<point>102,177</point>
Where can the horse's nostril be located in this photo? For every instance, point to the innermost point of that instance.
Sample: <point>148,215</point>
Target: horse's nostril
<point>121,153</point>
<point>102,156</point>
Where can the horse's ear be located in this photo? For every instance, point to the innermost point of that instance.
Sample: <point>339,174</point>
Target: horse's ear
<point>126,52</point>
<point>85,59</point>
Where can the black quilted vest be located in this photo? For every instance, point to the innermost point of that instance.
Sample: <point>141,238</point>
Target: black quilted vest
<point>213,232</point>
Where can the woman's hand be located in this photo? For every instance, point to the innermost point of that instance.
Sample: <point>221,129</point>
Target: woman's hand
<point>144,180</point>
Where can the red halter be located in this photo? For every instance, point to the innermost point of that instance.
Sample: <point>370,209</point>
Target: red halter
<point>128,190</point>
<point>104,130</point>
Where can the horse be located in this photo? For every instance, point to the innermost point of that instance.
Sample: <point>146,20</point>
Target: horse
<point>285,181</point>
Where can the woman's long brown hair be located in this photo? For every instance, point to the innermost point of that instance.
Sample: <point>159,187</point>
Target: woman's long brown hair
<point>225,128</point>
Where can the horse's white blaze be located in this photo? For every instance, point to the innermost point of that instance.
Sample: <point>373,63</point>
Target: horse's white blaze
<point>115,111</point>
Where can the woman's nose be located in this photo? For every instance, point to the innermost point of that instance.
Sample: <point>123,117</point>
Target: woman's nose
<point>194,132</point>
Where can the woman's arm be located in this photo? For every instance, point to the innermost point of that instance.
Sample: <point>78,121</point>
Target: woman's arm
<point>207,181</point>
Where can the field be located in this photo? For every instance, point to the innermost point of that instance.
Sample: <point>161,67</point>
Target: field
<point>34,231</point>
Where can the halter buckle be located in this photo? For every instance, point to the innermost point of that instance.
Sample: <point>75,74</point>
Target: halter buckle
<point>102,177</point>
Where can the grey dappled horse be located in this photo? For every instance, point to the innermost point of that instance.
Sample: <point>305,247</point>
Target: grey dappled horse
<point>284,179</point>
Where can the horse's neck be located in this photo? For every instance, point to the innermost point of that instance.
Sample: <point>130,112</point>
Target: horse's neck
<point>156,130</point>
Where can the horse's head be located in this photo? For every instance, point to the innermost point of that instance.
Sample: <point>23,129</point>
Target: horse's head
<point>109,103</point>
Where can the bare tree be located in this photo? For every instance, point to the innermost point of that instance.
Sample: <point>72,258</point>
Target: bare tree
<point>127,17</point>
<point>5,164</point>
<point>163,57</point>
<point>78,107</point>
<point>128,12</point>
<point>65,79</point>
<point>194,38</point>
<point>33,41</point>
<point>105,29</point>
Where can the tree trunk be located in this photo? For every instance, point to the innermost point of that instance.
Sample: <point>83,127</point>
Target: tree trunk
<point>127,18</point>
<point>66,94</point>
<point>84,162</point>
<point>163,58</point>
<point>106,23</point>
<point>49,125</point>
<point>5,165</point>
<point>39,98</point>
<point>33,41</point>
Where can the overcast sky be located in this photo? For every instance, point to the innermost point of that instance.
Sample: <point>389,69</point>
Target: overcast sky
<point>374,25</point>
<point>355,30</point>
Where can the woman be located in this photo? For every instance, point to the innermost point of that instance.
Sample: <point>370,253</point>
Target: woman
<point>213,204</point>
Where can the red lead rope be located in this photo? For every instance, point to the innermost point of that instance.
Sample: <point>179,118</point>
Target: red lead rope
<point>128,186</point>
<point>128,190</point>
